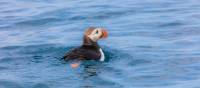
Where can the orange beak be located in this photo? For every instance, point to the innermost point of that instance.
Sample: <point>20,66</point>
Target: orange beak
<point>104,34</point>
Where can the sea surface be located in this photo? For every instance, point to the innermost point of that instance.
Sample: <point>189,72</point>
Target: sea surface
<point>151,43</point>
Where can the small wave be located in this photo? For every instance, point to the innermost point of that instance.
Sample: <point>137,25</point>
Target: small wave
<point>40,85</point>
<point>171,24</point>
<point>38,22</point>
<point>9,84</point>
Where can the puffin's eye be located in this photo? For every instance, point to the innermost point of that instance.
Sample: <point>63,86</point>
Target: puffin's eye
<point>97,32</point>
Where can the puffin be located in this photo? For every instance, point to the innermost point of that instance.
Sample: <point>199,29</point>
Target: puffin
<point>90,49</point>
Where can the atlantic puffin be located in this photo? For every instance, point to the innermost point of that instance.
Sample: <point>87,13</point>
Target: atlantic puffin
<point>90,49</point>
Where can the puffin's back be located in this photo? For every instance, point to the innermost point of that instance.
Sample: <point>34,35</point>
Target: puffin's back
<point>83,53</point>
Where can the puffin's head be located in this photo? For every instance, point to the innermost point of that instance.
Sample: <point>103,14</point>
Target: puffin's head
<point>96,33</point>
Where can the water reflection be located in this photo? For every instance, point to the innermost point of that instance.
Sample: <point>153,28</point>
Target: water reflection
<point>91,69</point>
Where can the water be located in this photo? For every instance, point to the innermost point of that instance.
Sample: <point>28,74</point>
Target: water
<point>152,43</point>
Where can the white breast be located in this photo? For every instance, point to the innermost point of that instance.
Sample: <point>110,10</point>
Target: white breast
<point>102,55</point>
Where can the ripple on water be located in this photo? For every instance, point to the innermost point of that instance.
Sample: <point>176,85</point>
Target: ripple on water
<point>151,44</point>
<point>40,85</point>
<point>38,22</point>
<point>9,84</point>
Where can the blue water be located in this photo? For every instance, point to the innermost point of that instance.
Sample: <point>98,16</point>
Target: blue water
<point>151,43</point>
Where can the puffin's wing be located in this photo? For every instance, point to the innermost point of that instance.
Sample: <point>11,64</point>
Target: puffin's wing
<point>75,54</point>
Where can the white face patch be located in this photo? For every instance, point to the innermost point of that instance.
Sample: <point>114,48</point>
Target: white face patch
<point>95,35</point>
